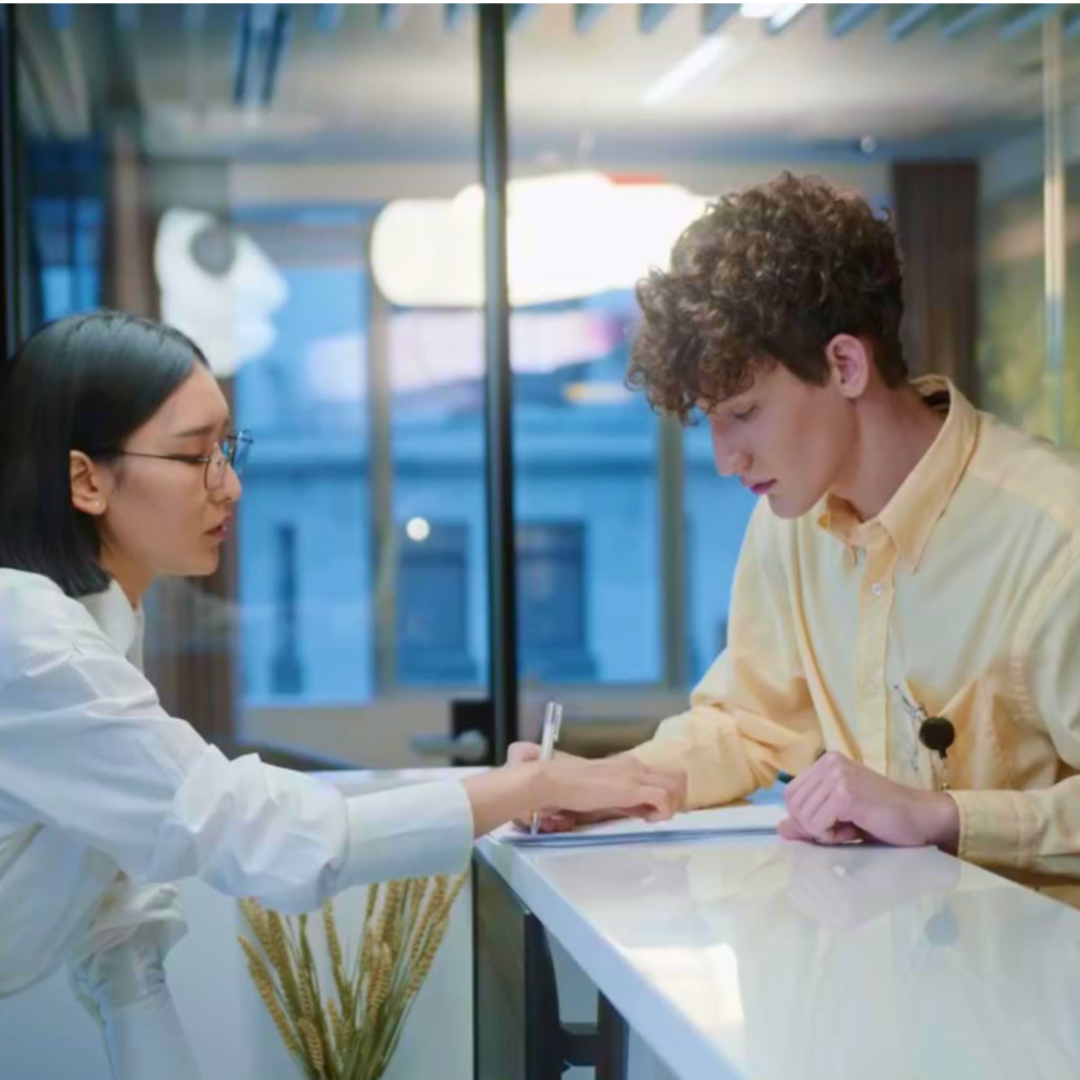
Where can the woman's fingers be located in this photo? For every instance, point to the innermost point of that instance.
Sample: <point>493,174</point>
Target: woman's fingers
<point>657,802</point>
<point>603,789</point>
<point>561,821</point>
<point>520,752</point>
<point>674,780</point>
<point>661,792</point>
<point>550,820</point>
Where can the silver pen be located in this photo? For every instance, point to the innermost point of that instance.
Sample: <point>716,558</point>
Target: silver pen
<point>548,737</point>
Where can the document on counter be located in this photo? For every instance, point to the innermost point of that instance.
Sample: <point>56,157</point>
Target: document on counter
<point>719,821</point>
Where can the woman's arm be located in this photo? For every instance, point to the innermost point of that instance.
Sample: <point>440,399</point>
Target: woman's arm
<point>86,747</point>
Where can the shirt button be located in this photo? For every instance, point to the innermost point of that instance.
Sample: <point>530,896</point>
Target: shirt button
<point>876,588</point>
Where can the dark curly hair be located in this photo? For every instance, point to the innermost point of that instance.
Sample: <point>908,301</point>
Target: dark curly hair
<point>764,277</point>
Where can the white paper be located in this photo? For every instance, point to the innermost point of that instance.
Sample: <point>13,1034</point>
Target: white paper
<point>742,818</point>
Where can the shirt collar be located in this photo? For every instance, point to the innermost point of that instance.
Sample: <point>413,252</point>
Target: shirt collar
<point>112,611</point>
<point>910,515</point>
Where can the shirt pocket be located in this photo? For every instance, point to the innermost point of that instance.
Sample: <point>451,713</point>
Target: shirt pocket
<point>977,759</point>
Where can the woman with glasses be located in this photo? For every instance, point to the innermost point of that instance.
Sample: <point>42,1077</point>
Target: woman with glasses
<point>119,464</point>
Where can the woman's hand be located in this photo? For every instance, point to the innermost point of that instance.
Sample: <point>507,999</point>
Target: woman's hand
<point>615,786</point>
<point>560,816</point>
<point>552,819</point>
<point>570,791</point>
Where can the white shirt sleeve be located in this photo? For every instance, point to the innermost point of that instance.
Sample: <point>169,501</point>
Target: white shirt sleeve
<point>86,746</point>
<point>117,972</point>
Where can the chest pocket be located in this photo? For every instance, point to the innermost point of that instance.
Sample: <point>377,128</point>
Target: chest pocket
<point>976,758</point>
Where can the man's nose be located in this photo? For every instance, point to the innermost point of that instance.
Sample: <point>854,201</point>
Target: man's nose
<point>730,461</point>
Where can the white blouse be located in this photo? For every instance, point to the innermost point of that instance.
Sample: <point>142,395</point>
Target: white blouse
<point>103,795</point>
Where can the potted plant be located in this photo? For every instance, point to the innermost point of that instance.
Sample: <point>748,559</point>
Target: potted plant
<point>349,1030</point>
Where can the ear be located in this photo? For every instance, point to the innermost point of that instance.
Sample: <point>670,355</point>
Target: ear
<point>850,364</point>
<point>89,485</point>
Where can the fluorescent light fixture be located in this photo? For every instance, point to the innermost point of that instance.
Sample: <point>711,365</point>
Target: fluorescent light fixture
<point>688,70</point>
<point>596,393</point>
<point>761,11</point>
<point>781,18</point>
<point>569,235</point>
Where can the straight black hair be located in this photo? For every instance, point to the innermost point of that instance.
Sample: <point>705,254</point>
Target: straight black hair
<point>85,383</point>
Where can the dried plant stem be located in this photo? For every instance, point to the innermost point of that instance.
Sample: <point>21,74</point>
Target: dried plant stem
<point>351,1031</point>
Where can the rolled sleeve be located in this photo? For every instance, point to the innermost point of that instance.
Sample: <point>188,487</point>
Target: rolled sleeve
<point>407,832</point>
<point>708,748</point>
<point>751,715</point>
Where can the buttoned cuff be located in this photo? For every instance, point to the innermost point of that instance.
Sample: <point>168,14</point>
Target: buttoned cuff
<point>411,831</point>
<point>996,827</point>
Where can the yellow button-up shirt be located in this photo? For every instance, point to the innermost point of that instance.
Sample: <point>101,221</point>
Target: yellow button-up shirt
<point>963,594</point>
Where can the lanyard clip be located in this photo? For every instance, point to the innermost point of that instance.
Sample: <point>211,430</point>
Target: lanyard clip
<point>936,733</point>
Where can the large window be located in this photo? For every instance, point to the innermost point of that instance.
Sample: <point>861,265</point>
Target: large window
<point>306,494</point>
<point>433,604</point>
<point>174,171</point>
<point>297,188</point>
<point>310,213</point>
<point>67,221</point>
<point>551,576</point>
<point>286,666</point>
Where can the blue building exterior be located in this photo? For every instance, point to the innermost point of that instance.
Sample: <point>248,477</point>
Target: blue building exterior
<point>587,500</point>
<point>587,506</point>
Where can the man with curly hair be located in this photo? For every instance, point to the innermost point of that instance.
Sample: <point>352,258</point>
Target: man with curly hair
<point>909,557</point>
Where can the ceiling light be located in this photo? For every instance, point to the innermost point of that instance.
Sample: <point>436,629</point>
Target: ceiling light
<point>569,235</point>
<point>596,393</point>
<point>779,19</point>
<point>688,70</point>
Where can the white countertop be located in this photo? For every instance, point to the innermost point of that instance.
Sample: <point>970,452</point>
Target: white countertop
<point>753,957</point>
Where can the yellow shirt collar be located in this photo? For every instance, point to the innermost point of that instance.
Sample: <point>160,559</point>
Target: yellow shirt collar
<point>911,514</point>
